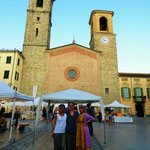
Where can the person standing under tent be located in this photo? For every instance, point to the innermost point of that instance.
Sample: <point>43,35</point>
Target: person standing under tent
<point>44,114</point>
<point>16,117</point>
<point>83,141</point>
<point>72,115</point>
<point>59,129</point>
<point>91,112</point>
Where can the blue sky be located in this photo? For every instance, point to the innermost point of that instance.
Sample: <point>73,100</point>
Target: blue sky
<point>131,23</point>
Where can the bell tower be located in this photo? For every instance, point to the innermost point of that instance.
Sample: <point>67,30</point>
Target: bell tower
<point>36,41</point>
<point>104,40</point>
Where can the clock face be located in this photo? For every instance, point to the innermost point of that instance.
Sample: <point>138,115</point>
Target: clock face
<point>104,40</point>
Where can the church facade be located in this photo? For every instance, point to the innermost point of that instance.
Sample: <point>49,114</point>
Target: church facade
<point>93,69</point>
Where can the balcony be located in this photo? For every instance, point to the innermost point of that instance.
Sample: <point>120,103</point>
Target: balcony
<point>139,99</point>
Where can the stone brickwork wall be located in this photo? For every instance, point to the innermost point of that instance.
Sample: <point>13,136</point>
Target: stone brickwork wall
<point>34,69</point>
<point>36,41</point>
<point>109,67</point>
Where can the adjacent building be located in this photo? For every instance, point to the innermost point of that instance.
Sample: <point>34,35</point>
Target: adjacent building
<point>11,62</point>
<point>135,92</point>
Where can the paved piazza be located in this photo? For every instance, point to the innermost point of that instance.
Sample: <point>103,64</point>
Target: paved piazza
<point>122,136</point>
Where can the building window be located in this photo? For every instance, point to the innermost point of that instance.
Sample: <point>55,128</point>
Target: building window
<point>138,93</point>
<point>39,3</point>
<point>8,60</point>
<point>126,110</point>
<point>103,24</point>
<point>148,93</point>
<point>38,18</point>
<point>15,88</point>
<point>107,90</point>
<point>125,92</point>
<point>6,74</point>
<point>37,31</point>
<point>16,76</point>
<point>18,62</point>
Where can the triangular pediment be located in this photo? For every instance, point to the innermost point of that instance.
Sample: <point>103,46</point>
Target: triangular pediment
<point>72,47</point>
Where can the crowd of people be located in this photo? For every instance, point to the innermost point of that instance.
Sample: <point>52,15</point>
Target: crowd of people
<point>72,129</point>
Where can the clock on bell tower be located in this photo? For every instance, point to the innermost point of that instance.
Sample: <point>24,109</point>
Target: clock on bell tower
<point>104,40</point>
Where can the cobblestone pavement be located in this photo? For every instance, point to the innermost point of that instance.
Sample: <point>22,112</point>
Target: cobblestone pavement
<point>27,140</point>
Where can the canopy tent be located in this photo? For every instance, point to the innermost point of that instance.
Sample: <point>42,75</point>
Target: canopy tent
<point>7,92</point>
<point>70,95</point>
<point>11,104</point>
<point>36,102</point>
<point>116,104</point>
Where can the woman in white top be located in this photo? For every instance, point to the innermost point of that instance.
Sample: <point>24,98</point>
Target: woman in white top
<point>59,129</point>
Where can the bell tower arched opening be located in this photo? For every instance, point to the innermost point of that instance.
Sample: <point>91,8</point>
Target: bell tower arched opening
<point>103,24</point>
<point>39,3</point>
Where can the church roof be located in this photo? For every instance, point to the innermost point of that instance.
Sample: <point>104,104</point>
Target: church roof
<point>73,44</point>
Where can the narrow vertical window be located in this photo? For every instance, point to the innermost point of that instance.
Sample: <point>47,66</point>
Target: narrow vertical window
<point>107,90</point>
<point>38,18</point>
<point>125,92</point>
<point>138,93</point>
<point>148,93</point>
<point>18,62</point>
<point>39,3</point>
<point>8,60</point>
<point>6,74</point>
<point>37,31</point>
<point>103,24</point>
<point>17,76</point>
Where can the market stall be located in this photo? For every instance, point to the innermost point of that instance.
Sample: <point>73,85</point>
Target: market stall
<point>6,92</point>
<point>70,95</point>
<point>120,118</point>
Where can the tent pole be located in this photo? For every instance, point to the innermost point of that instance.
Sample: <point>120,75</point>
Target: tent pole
<point>103,118</point>
<point>48,108</point>
<point>38,110</point>
<point>104,133</point>
<point>12,117</point>
<point>33,123</point>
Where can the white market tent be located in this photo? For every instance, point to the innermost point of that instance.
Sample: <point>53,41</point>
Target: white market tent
<point>116,104</point>
<point>11,104</point>
<point>70,95</point>
<point>36,102</point>
<point>7,92</point>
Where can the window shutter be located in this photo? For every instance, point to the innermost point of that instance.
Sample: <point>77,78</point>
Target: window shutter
<point>129,92</point>
<point>141,91</point>
<point>135,92</point>
<point>122,94</point>
<point>148,92</point>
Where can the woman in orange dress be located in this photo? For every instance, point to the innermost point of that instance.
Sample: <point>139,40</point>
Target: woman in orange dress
<point>83,141</point>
